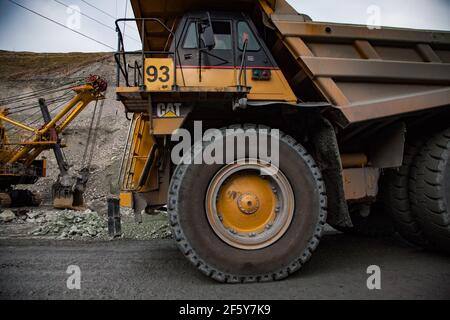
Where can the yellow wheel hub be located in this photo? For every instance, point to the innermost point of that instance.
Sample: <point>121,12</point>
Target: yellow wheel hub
<point>247,203</point>
<point>249,210</point>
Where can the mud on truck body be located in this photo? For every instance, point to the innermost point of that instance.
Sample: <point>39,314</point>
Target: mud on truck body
<point>363,122</point>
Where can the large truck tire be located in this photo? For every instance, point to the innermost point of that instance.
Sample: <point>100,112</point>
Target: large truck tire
<point>235,225</point>
<point>396,200</point>
<point>430,189</point>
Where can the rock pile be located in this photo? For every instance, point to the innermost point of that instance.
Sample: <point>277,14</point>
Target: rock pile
<point>90,224</point>
<point>67,224</point>
<point>72,224</point>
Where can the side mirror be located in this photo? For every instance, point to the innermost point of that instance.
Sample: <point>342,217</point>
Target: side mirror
<point>208,38</point>
<point>207,33</point>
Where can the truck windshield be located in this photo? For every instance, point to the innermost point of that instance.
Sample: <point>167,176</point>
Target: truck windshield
<point>222,36</point>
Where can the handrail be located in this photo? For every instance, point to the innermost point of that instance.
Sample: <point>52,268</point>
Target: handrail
<point>137,73</point>
<point>121,48</point>
<point>121,53</point>
<point>243,68</point>
<point>126,151</point>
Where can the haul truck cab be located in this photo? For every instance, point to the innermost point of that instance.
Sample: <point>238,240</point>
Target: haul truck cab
<point>334,101</point>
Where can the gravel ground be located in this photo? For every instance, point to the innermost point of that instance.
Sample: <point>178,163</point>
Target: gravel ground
<point>156,269</point>
<point>50,224</point>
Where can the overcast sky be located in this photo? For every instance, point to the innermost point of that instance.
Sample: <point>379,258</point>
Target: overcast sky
<point>21,30</point>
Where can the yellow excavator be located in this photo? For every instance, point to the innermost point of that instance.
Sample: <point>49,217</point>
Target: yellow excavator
<point>21,144</point>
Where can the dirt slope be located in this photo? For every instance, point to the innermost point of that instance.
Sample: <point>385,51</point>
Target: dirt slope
<point>22,72</point>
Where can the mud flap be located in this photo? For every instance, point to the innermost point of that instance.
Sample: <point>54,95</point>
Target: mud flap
<point>328,156</point>
<point>114,218</point>
<point>139,205</point>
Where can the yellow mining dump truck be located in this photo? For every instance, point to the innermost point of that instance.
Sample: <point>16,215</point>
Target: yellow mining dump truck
<point>25,133</point>
<point>289,124</point>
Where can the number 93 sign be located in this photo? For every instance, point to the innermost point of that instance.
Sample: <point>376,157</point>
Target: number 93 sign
<point>159,74</point>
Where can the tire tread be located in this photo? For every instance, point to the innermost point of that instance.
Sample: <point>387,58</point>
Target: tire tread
<point>280,274</point>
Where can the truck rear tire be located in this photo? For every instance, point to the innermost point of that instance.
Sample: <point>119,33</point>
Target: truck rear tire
<point>226,218</point>
<point>432,190</point>
<point>396,199</point>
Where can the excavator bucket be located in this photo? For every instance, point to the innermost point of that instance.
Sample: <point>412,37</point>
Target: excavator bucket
<point>63,202</point>
<point>65,198</point>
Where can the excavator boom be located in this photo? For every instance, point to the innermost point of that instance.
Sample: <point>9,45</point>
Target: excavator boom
<point>18,156</point>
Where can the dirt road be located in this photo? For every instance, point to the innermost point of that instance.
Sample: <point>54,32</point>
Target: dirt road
<point>126,269</point>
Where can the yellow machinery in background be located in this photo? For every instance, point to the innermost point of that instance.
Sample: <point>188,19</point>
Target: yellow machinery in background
<point>19,152</point>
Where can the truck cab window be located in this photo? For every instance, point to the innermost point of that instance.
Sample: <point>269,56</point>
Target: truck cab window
<point>191,40</point>
<point>244,32</point>
<point>222,36</point>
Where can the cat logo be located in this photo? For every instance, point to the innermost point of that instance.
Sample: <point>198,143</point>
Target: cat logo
<point>168,110</point>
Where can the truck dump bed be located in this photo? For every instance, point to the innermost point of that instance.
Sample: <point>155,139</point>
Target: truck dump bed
<point>369,74</point>
<point>365,73</point>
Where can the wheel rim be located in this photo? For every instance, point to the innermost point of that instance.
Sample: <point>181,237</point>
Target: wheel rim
<point>246,209</point>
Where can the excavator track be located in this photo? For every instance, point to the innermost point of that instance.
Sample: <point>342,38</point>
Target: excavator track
<point>20,198</point>
<point>5,200</point>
